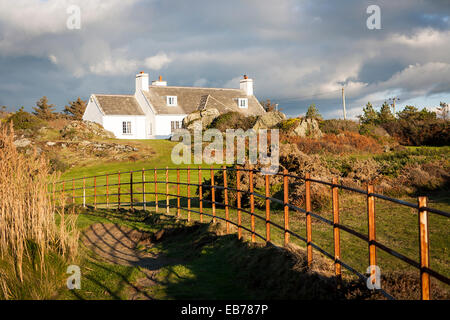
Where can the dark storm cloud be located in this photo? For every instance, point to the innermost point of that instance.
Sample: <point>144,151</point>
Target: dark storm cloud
<point>298,52</point>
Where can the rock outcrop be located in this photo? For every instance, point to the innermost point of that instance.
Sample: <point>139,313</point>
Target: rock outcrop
<point>307,128</point>
<point>269,120</point>
<point>205,116</point>
<point>82,130</point>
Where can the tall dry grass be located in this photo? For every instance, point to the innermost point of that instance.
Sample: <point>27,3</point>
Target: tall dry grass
<point>33,225</point>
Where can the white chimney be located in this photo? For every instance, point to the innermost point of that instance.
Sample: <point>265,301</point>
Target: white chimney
<point>159,82</point>
<point>246,84</point>
<point>142,81</point>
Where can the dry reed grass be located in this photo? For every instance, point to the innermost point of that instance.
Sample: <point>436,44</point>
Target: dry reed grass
<point>33,224</point>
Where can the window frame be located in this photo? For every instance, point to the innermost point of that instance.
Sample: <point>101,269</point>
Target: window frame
<point>126,127</point>
<point>245,100</point>
<point>175,101</point>
<point>174,125</point>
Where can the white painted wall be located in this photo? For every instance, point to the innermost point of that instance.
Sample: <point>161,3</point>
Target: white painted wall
<point>149,114</point>
<point>92,112</point>
<point>163,128</point>
<point>113,123</point>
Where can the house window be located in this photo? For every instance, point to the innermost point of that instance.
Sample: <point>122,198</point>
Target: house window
<point>243,102</point>
<point>174,125</point>
<point>171,101</point>
<point>126,127</point>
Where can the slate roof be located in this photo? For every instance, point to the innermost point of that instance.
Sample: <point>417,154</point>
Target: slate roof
<point>191,99</point>
<point>119,104</point>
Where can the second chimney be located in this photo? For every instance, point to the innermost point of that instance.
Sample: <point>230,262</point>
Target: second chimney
<point>159,82</point>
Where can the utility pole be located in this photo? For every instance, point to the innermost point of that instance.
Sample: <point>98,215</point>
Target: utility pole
<point>393,103</point>
<point>343,103</point>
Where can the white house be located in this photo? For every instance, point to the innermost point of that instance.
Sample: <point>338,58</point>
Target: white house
<point>155,111</point>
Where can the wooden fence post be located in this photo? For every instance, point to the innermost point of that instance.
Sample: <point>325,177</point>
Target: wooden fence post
<point>131,190</point>
<point>225,194</point>
<point>189,192</point>
<point>84,192</point>
<point>336,231</point>
<point>252,204</point>
<point>178,193</point>
<point>95,192</point>
<point>167,191</point>
<point>144,204</point>
<point>309,253</point>
<point>107,191</point>
<point>213,195</point>
<point>286,207</point>
<point>424,249</point>
<point>238,199</point>
<point>118,191</point>
<point>156,190</point>
<point>200,192</point>
<point>371,228</point>
<point>267,209</point>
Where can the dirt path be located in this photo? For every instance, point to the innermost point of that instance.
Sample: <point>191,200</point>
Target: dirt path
<point>118,244</point>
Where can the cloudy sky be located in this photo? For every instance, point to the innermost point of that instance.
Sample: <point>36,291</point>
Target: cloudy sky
<point>297,51</point>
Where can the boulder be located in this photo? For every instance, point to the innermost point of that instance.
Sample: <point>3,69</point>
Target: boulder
<point>22,143</point>
<point>205,117</point>
<point>269,120</point>
<point>307,128</point>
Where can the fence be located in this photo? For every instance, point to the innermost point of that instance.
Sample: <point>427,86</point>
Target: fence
<point>116,196</point>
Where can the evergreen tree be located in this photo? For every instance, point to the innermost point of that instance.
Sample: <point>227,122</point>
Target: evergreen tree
<point>43,110</point>
<point>369,115</point>
<point>313,113</point>
<point>385,114</point>
<point>76,108</point>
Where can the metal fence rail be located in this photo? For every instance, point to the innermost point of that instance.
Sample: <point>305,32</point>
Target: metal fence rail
<point>79,186</point>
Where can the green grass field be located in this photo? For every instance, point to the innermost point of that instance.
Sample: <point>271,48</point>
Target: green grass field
<point>397,226</point>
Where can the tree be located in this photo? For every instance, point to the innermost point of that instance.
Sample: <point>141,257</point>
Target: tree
<point>385,114</point>
<point>43,110</point>
<point>369,115</point>
<point>313,113</point>
<point>411,113</point>
<point>268,105</point>
<point>443,111</point>
<point>76,108</point>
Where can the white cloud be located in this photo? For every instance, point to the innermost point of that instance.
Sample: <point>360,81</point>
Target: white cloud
<point>157,62</point>
<point>114,67</point>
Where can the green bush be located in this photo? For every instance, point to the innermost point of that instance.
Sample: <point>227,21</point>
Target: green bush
<point>286,126</point>
<point>23,120</point>
<point>233,120</point>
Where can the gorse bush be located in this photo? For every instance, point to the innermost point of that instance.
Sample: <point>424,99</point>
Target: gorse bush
<point>23,120</point>
<point>233,120</point>
<point>29,232</point>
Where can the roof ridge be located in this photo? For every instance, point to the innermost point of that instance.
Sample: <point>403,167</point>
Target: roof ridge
<point>116,95</point>
<point>181,87</point>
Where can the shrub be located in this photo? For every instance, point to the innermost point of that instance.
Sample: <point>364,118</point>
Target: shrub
<point>346,142</point>
<point>335,126</point>
<point>23,120</point>
<point>434,132</point>
<point>233,120</point>
<point>286,126</point>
